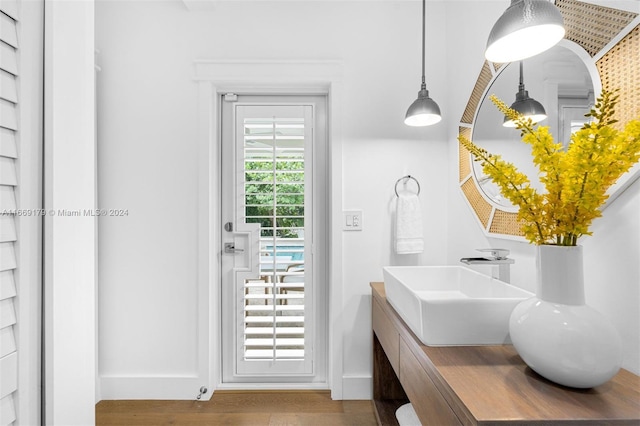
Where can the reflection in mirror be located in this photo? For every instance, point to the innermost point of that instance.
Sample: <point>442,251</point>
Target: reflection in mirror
<point>557,78</point>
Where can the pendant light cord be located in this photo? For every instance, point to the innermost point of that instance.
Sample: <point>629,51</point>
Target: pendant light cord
<point>424,18</point>
<point>424,111</point>
<point>521,86</point>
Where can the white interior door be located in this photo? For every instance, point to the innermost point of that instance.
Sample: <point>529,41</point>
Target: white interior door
<point>272,313</point>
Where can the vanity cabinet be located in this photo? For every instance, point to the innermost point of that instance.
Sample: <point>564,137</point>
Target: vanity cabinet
<point>481,385</point>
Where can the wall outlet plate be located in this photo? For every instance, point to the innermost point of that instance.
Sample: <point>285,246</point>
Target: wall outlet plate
<point>352,220</point>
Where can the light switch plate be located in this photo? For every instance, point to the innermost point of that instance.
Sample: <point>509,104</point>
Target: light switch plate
<point>352,220</point>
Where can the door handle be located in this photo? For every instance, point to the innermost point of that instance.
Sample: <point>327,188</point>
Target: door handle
<point>231,248</point>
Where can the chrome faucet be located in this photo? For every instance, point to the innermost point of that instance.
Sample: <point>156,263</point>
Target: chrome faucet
<point>495,257</point>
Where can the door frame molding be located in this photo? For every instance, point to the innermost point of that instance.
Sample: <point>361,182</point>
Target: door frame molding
<point>262,77</point>
<point>69,182</point>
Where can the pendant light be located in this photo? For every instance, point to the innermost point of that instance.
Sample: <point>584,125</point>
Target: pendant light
<point>526,28</point>
<point>423,111</point>
<point>528,107</point>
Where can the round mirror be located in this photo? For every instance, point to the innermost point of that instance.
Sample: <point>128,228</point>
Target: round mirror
<point>561,81</point>
<point>595,54</point>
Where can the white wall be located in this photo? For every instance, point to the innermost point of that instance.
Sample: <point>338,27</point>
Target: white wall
<point>147,149</point>
<point>612,270</point>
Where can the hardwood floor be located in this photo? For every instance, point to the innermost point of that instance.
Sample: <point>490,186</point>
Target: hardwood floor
<point>251,408</point>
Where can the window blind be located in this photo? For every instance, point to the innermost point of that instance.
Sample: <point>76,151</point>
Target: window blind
<point>274,168</point>
<point>8,183</point>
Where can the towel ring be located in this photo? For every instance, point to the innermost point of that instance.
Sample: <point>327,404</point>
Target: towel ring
<point>406,178</point>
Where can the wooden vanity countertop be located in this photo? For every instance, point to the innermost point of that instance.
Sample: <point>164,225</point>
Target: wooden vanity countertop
<point>491,384</point>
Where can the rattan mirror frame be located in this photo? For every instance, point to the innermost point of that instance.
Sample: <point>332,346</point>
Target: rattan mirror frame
<point>612,39</point>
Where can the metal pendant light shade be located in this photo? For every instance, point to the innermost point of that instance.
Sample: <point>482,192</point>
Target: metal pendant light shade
<point>528,107</point>
<point>424,111</point>
<point>526,28</point>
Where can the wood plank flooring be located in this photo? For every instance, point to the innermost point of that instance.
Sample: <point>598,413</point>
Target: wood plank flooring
<point>239,408</point>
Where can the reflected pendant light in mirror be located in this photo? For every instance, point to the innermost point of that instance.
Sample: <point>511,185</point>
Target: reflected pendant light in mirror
<point>525,105</point>
<point>424,111</point>
<point>525,29</point>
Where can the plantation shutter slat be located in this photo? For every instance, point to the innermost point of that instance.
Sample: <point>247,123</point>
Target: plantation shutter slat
<point>8,87</point>
<point>9,374</point>
<point>9,102</point>
<point>8,59</point>
<point>7,410</point>
<point>9,8</point>
<point>7,257</point>
<point>7,313</point>
<point>7,285</point>
<point>8,115</point>
<point>8,32</point>
<point>7,198</point>
<point>7,229</point>
<point>7,342</point>
<point>8,143</point>
<point>8,171</point>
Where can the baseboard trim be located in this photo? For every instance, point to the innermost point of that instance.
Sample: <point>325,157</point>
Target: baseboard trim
<point>357,387</point>
<point>174,388</point>
<point>272,386</point>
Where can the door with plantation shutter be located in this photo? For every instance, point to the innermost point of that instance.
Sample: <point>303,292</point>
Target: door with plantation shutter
<point>8,237</point>
<point>20,216</point>
<point>272,307</point>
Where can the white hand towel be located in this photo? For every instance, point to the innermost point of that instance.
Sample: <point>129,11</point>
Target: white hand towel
<point>409,236</point>
<point>407,416</point>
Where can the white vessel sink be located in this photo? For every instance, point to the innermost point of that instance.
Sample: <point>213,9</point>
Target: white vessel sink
<point>452,305</point>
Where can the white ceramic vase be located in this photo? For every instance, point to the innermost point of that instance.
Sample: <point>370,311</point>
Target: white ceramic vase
<point>556,333</point>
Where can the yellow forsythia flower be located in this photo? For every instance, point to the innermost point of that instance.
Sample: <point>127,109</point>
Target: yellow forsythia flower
<point>576,179</point>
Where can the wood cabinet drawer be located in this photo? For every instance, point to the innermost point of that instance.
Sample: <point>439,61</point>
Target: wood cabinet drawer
<point>429,404</point>
<point>387,335</point>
